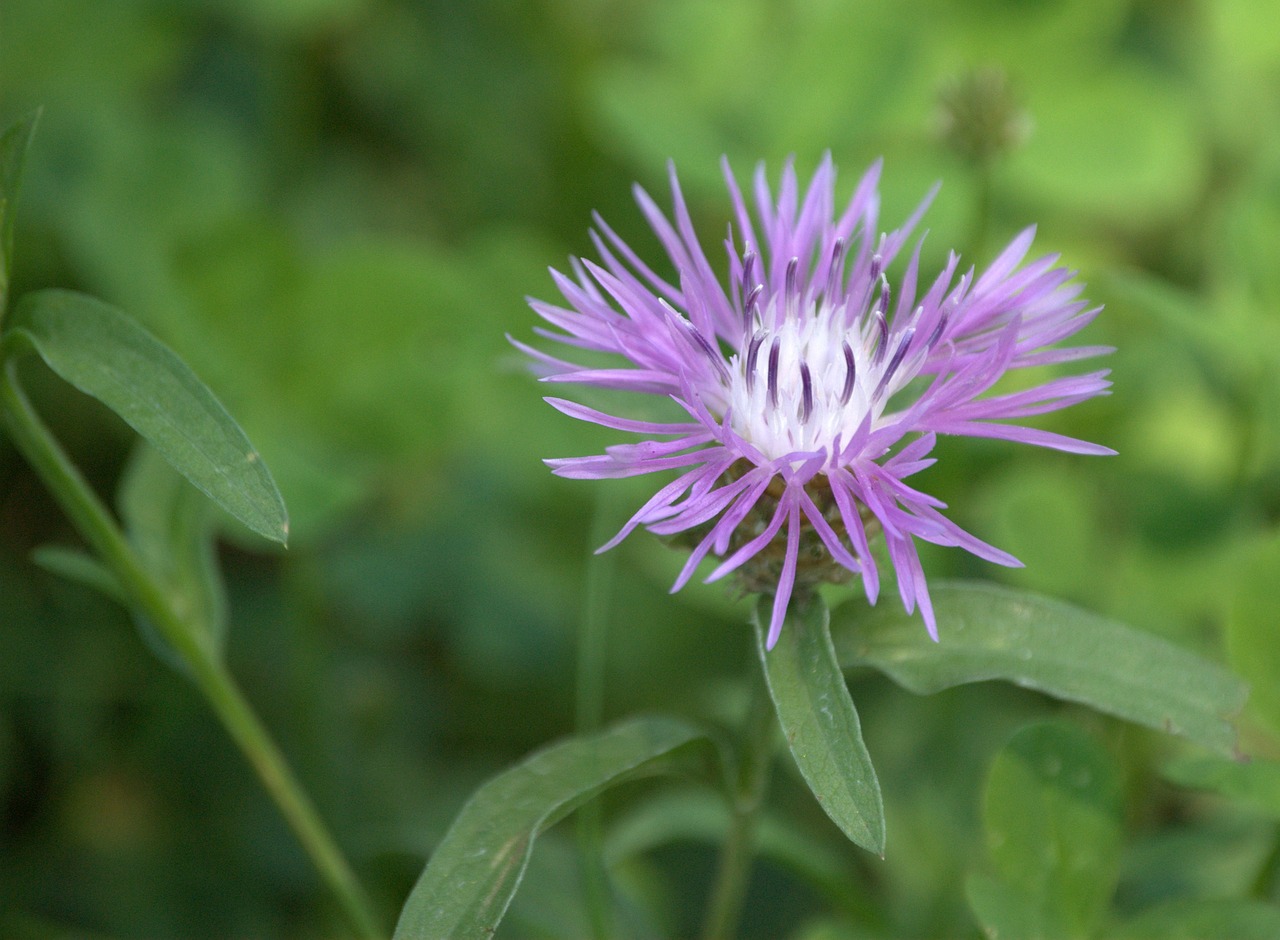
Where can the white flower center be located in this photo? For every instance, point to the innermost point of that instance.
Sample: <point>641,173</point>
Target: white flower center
<point>814,378</point>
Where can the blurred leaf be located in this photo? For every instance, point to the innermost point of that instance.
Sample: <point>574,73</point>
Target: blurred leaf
<point>77,566</point>
<point>703,816</point>
<point>171,526</point>
<point>1187,919</point>
<point>1255,783</point>
<point>476,868</point>
<point>14,142</point>
<point>1251,629</point>
<point>105,354</point>
<point>1227,334</point>
<point>819,721</point>
<point>1052,811</point>
<point>989,632</point>
<point>1002,911</point>
<point>754,80</point>
<point>1141,157</point>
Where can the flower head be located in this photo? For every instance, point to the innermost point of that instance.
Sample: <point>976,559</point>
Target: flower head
<point>812,386</point>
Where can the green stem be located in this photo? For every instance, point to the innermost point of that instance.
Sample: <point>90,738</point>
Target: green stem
<point>589,704</point>
<point>210,675</point>
<point>729,891</point>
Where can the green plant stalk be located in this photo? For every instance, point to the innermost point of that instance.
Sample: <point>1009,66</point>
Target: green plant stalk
<point>724,909</point>
<point>589,707</point>
<point>95,524</point>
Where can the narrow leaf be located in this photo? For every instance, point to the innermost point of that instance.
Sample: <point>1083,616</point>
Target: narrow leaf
<point>103,353</point>
<point>171,527</point>
<point>989,632</point>
<point>1251,627</point>
<point>1253,783</point>
<point>1053,822</point>
<point>476,868</point>
<point>819,722</point>
<point>77,566</point>
<point>1002,911</point>
<point>1196,919</point>
<point>14,142</point>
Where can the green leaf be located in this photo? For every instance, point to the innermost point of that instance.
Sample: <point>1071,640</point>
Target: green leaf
<point>1251,628</point>
<point>989,632</point>
<point>1002,911</point>
<point>171,527</point>
<point>476,868</point>
<point>701,816</point>
<point>1255,783</point>
<point>14,142</point>
<point>1187,919</point>
<point>819,722</point>
<point>103,353</point>
<point>1053,823</point>
<point>77,566</point>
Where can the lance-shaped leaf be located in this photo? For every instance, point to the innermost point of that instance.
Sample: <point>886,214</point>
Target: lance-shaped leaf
<point>989,632</point>
<point>105,354</point>
<point>1197,918</point>
<point>1252,783</point>
<point>819,721</point>
<point>14,141</point>
<point>171,527</point>
<point>1053,826</point>
<point>476,868</point>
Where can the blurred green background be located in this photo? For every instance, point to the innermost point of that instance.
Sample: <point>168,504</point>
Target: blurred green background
<point>332,209</point>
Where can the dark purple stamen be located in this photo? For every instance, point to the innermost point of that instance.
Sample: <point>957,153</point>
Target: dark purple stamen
<point>774,351</point>
<point>752,303</point>
<point>713,354</point>
<point>882,340</point>
<point>806,386</point>
<point>885,296</point>
<point>748,271</point>
<point>937,331</point>
<point>850,373</point>
<point>898,355</point>
<point>877,266</point>
<point>836,271</point>
<point>791,292</point>
<point>753,353</point>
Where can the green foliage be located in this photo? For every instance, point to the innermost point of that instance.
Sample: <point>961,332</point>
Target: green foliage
<point>104,354</point>
<point>476,868</point>
<point>1052,810</point>
<point>819,722</point>
<point>14,142</point>
<point>988,632</point>
<point>171,527</point>
<point>331,210</point>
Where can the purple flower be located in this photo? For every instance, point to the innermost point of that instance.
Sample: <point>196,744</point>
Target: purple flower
<point>812,387</point>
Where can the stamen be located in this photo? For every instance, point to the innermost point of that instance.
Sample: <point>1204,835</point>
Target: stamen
<point>717,359</point>
<point>850,374</point>
<point>753,353</point>
<point>748,271</point>
<point>791,292</point>
<point>774,352</point>
<point>898,355</point>
<point>806,387</point>
<point>835,272</point>
<point>882,340</point>
<point>886,295</point>
<point>937,331</point>
<point>877,262</point>
<point>751,305</point>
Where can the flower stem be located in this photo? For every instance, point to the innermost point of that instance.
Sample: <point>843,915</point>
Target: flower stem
<point>589,707</point>
<point>95,524</point>
<point>747,797</point>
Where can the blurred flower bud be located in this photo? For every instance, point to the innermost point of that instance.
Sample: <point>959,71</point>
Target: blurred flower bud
<point>979,116</point>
